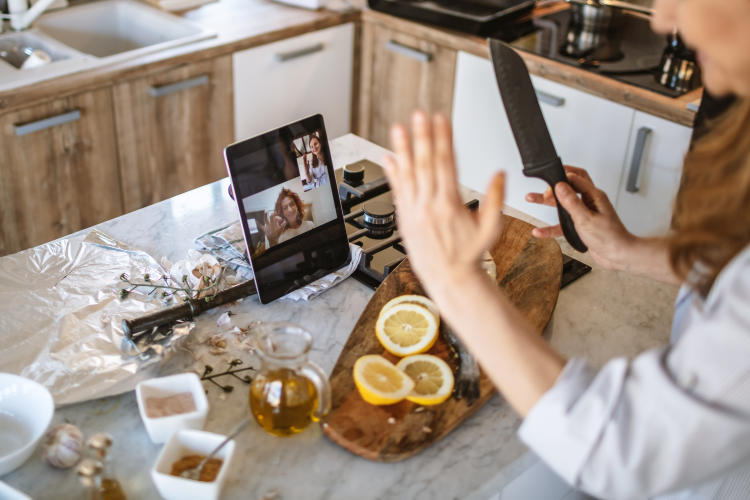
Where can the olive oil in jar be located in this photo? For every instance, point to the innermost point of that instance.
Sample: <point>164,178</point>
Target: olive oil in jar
<point>283,402</point>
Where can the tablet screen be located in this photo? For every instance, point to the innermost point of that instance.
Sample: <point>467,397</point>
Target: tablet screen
<point>286,194</point>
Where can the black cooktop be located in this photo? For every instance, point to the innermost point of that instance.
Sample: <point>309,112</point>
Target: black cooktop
<point>371,224</point>
<point>629,52</point>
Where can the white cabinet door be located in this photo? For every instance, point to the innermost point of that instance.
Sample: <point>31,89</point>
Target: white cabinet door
<point>655,165</point>
<point>588,132</point>
<point>284,81</point>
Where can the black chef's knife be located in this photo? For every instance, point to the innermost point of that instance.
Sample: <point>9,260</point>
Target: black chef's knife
<point>529,128</point>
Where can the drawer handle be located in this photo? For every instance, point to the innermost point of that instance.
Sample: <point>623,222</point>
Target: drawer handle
<point>550,99</point>
<point>28,128</point>
<point>295,54</point>
<point>408,51</point>
<point>635,165</point>
<point>176,87</point>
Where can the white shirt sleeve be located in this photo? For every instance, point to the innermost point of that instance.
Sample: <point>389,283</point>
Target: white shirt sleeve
<point>673,418</point>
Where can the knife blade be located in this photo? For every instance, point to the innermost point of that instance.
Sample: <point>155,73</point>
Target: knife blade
<point>538,154</point>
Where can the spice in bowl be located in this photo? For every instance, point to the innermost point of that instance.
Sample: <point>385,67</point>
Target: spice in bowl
<point>209,472</point>
<point>171,405</point>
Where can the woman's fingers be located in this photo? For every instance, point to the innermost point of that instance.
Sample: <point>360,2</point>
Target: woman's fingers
<point>580,172</point>
<point>547,232</point>
<point>547,198</point>
<point>403,173</point>
<point>445,164</point>
<point>490,213</point>
<point>424,162</point>
<point>572,203</point>
<point>589,193</point>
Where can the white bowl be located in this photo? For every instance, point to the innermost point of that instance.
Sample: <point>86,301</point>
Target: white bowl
<point>26,410</point>
<point>191,443</point>
<point>161,429</point>
<point>9,493</point>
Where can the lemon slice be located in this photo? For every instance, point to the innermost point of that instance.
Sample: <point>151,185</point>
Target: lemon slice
<point>433,379</point>
<point>413,299</point>
<point>406,329</point>
<point>379,381</point>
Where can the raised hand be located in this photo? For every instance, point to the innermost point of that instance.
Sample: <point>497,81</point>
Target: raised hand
<point>273,228</point>
<point>594,216</point>
<point>444,240</point>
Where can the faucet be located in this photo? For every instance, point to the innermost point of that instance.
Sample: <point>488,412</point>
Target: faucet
<point>21,16</point>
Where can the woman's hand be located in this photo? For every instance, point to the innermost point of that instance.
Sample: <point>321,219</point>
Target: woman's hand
<point>273,228</point>
<point>594,217</point>
<point>444,239</point>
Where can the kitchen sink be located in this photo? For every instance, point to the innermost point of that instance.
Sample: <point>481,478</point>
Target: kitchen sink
<point>96,34</point>
<point>115,27</point>
<point>12,45</point>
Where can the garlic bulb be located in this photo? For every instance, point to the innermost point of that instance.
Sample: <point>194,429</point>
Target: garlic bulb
<point>63,446</point>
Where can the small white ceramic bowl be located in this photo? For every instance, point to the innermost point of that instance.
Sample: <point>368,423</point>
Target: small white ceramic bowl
<point>161,429</point>
<point>26,410</point>
<point>185,443</point>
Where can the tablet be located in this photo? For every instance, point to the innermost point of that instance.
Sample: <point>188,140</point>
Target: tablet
<point>291,216</point>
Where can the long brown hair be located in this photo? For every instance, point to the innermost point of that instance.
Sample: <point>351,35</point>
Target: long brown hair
<point>288,193</point>
<point>316,161</point>
<point>712,211</point>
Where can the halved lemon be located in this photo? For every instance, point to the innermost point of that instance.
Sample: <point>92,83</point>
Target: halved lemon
<point>433,379</point>
<point>379,381</point>
<point>413,299</point>
<point>406,329</point>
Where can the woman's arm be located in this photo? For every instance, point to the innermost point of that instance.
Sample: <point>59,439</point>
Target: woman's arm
<point>610,244</point>
<point>445,243</point>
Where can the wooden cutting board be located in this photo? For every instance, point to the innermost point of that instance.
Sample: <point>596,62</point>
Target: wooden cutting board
<point>528,270</point>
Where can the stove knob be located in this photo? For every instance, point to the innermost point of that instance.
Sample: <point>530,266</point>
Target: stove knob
<point>354,174</point>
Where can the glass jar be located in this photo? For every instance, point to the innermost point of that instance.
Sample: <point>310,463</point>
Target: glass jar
<point>289,392</point>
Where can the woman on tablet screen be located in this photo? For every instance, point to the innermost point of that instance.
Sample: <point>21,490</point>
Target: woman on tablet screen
<point>318,168</point>
<point>287,219</point>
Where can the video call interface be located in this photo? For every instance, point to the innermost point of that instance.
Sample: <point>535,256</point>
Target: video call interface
<point>290,186</point>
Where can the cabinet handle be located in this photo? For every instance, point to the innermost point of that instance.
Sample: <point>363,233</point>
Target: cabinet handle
<point>550,99</point>
<point>176,87</point>
<point>28,128</point>
<point>408,51</point>
<point>288,56</point>
<point>635,165</point>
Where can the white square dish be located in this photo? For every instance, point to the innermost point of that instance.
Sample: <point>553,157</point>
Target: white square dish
<point>185,443</point>
<point>160,430</point>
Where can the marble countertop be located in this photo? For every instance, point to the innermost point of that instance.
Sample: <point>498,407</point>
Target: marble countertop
<point>602,315</point>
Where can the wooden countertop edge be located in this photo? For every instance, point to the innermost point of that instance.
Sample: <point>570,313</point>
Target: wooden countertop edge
<point>672,109</point>
<point>86,80</point>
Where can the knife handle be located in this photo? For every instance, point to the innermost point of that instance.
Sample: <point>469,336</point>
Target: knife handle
<point>192,307</point>
<point>553,172</point>
<point>569,229</point>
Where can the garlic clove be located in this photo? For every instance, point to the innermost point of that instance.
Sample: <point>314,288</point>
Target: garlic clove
<point>63,446</point>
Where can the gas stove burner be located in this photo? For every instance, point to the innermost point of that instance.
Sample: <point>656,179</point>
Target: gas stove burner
<point>379,213</point>
<point>354,174</point>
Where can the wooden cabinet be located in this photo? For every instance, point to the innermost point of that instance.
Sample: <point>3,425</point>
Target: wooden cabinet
<point>58,170</point>
<point>285,81</point>
<point>172,127</point>
<point>651,177</point>
<point>399,74</point>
